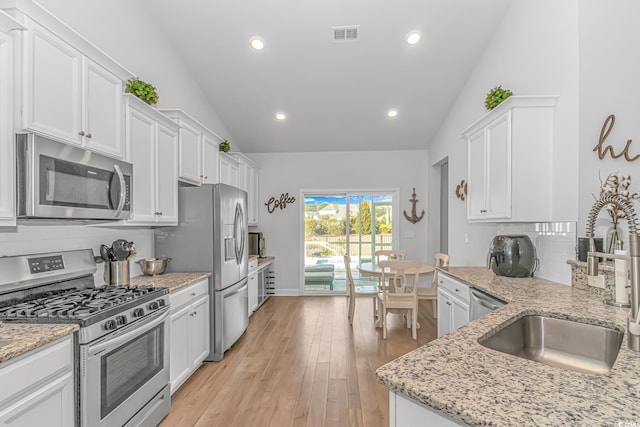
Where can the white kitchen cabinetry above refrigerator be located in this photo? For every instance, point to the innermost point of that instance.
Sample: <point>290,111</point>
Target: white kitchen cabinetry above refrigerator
<point>248,181</point>
<point>152,141</point>
<point>7,141</point>
<point>228,170</point>
<point>197,150</point>
<point>510,160</point>
<point>189,331</point>
<point>38,388</point>
<point>68,96</point>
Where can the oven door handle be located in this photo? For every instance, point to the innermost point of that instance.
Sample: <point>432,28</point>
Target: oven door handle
<point>137,329</point>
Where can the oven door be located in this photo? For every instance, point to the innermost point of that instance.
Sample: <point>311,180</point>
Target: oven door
<point>55,180</point>
<point>122,372</point>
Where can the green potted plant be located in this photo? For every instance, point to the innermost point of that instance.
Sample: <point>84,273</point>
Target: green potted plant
<point>143,90</point>
<point>225,146</point>
<point>496,96</point>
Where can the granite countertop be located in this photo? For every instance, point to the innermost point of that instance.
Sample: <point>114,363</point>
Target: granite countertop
<point>479,386</point>
<point>25,337</point>
<point>173,281</point>
<point>265,260</point>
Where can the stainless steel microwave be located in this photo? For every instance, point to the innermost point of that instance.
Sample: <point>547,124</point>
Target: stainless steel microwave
<point>56,180</point>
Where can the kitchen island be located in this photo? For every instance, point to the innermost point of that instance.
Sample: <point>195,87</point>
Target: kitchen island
<point>460,379</point>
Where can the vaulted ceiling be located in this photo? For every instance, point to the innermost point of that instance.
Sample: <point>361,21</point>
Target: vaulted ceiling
<point>335,95</point>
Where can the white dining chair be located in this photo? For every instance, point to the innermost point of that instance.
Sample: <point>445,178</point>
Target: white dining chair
<point>402,293</point>
<point>442,260</point>
<point>358,291</point>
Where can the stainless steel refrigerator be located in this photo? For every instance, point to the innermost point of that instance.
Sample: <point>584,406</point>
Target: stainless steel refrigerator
<point>212,236</point>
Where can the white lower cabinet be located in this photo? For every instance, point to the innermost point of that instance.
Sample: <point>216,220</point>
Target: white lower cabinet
<point>152,148</point>
<point>453,304</point>
<point>406,412</point>
<point>38,388</point>
<point>189,332</point>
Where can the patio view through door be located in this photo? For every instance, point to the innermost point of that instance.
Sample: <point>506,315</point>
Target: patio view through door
<point>336,224</point>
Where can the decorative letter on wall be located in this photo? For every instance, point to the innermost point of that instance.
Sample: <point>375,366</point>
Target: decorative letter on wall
<point>607,126</point>
<point>281,203</point>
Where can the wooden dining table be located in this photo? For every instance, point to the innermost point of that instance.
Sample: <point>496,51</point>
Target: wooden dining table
<point>371,269</point>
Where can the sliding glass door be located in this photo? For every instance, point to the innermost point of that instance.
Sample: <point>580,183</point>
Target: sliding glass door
<point>336,224</point>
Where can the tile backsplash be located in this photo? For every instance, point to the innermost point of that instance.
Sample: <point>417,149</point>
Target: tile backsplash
<point>555,243</point>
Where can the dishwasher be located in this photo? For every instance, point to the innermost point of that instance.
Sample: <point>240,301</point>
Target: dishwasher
<point>482,303</point>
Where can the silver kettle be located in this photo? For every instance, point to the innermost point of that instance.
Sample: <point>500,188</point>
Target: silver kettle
<point>512,256</point>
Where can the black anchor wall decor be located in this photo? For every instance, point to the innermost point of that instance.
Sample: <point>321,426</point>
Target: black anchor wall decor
<point>413,218</point>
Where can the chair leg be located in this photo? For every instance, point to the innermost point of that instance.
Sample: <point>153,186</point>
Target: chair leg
<point>414,315</point>
<point>435,308</point>
<point>352,306</point>
<point>384,321</point>
<point>375,309</point>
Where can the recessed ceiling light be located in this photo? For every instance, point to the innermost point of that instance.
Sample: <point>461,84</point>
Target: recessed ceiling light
<point>281,116</point>
<point>392,113</point>
<point>414,37</point>
<point>257,43</point>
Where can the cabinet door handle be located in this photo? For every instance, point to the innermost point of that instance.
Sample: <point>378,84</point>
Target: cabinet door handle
<point>483,211</point>
<point>89,135</point>
<point>81,133</point>
<point>193,294</point>
<point>158,213</point>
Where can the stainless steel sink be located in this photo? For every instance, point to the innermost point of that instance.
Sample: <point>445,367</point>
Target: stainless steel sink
<point>558,342</point>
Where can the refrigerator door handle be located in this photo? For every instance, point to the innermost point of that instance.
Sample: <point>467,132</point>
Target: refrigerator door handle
<point>239,233</point>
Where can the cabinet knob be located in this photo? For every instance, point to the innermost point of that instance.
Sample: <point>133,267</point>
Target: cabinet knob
<point>206,177</point>
<point>193,294</point>
<point>457,290</point>
<point>89,135</point>
<point>81,133</point>
<point>483,211</point>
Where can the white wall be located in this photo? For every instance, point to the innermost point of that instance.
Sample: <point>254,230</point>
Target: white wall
<point>290,172</point>
<point>609,84</point>
<point>126,31</point>
<point>533,52</point>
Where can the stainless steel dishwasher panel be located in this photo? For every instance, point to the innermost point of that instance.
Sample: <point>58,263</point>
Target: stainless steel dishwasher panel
<point>481,303</point>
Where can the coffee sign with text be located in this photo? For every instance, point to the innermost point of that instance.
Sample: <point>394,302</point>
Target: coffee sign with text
<point>281,203</point>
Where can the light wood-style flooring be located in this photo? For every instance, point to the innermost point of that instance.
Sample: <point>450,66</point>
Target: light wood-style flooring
<point>300,363</point>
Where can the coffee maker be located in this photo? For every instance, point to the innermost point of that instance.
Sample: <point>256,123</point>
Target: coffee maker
<point>256,244</point>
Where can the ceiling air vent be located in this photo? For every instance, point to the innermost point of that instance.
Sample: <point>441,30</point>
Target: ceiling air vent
<point>345,34</point>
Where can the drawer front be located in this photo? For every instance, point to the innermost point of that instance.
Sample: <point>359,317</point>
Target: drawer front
<point>453,286</point>
<point>253,263</point>
<point>35,368</point>
<point>189,294</point>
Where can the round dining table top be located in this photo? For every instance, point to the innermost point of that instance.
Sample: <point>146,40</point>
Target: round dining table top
<point>374,270</point>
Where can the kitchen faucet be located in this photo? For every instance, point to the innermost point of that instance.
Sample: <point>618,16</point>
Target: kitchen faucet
<point>633,320</point>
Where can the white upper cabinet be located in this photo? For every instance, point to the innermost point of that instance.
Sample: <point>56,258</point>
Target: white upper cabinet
<point>248,181</point>
<point>197,150</point>
<point>228,170</point>
<point>7,170</point>
<point>67,96</point>
<point>152,141</point>
<point>509,162</point>
<point>210,159</point>
<point>68,89</point>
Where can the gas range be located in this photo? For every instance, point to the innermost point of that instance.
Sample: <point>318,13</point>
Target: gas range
<point>98,311</point>
<point>122,348</point>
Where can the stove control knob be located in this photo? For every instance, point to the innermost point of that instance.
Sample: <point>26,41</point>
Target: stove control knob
<point>138,312</point>
<point>109,325</point>
<point>153,305</point>
<point>121,320</point>
<point>161,302</point>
